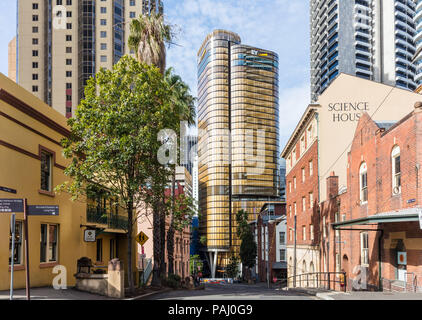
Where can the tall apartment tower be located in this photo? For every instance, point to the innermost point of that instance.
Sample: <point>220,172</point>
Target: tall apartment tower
<point>62,43</point>
<point>238,164</point>
<point>149,6</point>
<point>418,42</point>
<point>372,39</point>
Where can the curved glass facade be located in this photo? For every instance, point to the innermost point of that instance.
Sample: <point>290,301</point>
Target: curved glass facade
<point>238,136</point>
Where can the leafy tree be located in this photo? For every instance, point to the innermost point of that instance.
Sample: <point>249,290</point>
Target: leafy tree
<point>232,268</point>
<point>195,263</point>
<point>248,247</point>
<point>114,138</point>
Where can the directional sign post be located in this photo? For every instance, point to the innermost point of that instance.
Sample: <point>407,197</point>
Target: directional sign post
<point>11,205</point>
<point>12,259</point>
<point>25,217</point>
<point>43,210</point>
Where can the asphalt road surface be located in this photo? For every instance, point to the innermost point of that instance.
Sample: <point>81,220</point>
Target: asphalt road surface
<point>230,292</point>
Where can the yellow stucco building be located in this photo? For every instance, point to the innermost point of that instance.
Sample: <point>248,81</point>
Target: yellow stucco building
<point>32,164</point>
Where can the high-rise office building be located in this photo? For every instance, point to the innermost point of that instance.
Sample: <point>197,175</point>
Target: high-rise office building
<point>372,39</point>
<point>11,73</point>
<point>418,42</point>
<point>238,138</point>
<point>62,43</point>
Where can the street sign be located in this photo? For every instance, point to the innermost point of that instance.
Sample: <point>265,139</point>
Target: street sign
<point>141,238</point>
<point>420,217</point>
<point>89,235</point>
<point>43,210</point>
<point>5,189</point>
<point>11,205</point>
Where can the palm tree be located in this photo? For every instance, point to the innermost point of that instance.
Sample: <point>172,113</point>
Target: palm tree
<point>148,37</point>
<point>184,103</point>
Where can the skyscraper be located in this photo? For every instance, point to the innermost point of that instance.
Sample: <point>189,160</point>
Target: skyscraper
<point>62,43</point>
<point>372,39</point>
<point>149,6</point>
<point>418,42</point>
<point>238,138</point>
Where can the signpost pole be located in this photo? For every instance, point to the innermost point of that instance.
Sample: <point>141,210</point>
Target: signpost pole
<point>25,214</point>
<point>12,259</point>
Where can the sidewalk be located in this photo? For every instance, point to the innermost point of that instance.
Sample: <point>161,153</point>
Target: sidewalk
<point>49,293</point>
<point>359,295</point>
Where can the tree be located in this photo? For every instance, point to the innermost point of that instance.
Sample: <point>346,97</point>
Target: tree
<point>233,266</point>
<point>248,247</point>
<point>195,264</point>
<point>114,138</point>
<point>148,35</point>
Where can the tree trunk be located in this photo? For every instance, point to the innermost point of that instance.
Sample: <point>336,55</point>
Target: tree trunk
<point>162,238</point>
<point>131,282</point>
<point>156,245</point>
<point>170,232</point>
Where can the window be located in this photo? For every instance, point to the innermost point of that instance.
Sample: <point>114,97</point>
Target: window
<point>364,249</point>
<point>103,10</point>
<point>68,85</point>
<point>363,180</point>
<point>103,34</point>
<point>396,170</point>
<point>303,204</point>
<point>303,175</point>
<point>68,74</point>
<point>294,182</point>
<point>35,53</point>
<point>304,233</point>
<point>46,159</point>
<point>69,2</point>
<point>35,76</point>
<point>132,14</point>
<point>68,26</point>
<point>103,46</point>
<point>68,97</point>
<point>103,58</point>
<point>290,211</point>
<point>283,255</point>
<point>48,243</point>
<point>310,134</point>
<point>311,168</point>
<point>311,232</point>
<point>103,22</point>
<point>68,37</point>
<point>68,49</point>
<point>69,14</point>
<point>290,234</point>
<point>35,65</point>
<point>311,200</point>
<point>295,208</point>
<point>324,228</point>
<point>282,237</point>
<point>59,2</point>
<point>294,155</point>
<point>17,252</point>
<point>68,62</point>
<point>34,17</point>
<point>132,3</point>
<point>99,250</point>
<point>302,145</point>
<point>34,88</point>
<point>35,6</point>
<point>34,29</point>
<point>34,41</point>
<point>290,186</point>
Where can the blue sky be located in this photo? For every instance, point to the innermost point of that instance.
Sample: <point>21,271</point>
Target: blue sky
<point>278,25</point>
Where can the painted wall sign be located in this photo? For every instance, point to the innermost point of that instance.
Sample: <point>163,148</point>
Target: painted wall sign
<point>11,205</point>
<point>43,210</point>
<point>89,235</point>
<point>9,190</point>
<point>347,111</point>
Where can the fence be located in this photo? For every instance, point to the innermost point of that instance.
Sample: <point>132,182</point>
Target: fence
<point>320,280</point>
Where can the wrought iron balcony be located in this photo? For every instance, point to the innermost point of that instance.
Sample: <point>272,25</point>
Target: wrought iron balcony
<point>104,217</point>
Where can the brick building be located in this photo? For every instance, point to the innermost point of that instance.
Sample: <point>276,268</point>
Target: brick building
<point>270,233</point>
<point>302,194</point>
<point>372,230</point>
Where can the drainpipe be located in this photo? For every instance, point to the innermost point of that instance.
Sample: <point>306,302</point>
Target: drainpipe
<point>380,258</point>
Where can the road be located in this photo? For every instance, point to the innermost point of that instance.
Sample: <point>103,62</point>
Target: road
<point>230,292</point>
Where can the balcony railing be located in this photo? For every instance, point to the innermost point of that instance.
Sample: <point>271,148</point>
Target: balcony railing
<point>104,217</point>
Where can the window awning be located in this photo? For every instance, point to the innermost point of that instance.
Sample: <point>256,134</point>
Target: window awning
<point>404,215</point>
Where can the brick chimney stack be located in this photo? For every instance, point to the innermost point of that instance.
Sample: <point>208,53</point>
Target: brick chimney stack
<point>332,185</point>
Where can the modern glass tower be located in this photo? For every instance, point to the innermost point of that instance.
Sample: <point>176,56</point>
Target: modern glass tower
<point>238,138</point>
<point>372,39</point>
<point>418,42</point>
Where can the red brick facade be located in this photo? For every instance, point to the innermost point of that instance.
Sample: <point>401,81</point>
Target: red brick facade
<point>372,149</point>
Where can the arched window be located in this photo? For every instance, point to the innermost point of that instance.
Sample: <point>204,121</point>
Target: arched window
<point>396,171</point>
<point>363,183</point>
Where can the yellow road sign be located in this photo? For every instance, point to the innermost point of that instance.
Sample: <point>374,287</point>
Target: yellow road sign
<point>141,238</point>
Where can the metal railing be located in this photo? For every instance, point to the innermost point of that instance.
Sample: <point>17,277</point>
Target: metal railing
<point>317,280</point>
<point>101,216</point>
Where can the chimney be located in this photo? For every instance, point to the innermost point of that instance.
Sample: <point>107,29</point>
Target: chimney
<point>332,185</point>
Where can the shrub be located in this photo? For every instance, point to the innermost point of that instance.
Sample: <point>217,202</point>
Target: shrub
<point>173,281</point>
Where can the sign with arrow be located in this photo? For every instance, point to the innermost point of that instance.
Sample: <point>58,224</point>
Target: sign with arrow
<point>141,238</point>
<point>43,210</point>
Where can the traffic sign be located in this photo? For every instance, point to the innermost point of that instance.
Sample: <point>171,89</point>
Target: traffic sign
<point>141,238</point>
<point>11,205</point>
<point>43,210</point>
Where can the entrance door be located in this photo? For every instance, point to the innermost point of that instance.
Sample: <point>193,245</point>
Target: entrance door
<point>401,266</point>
